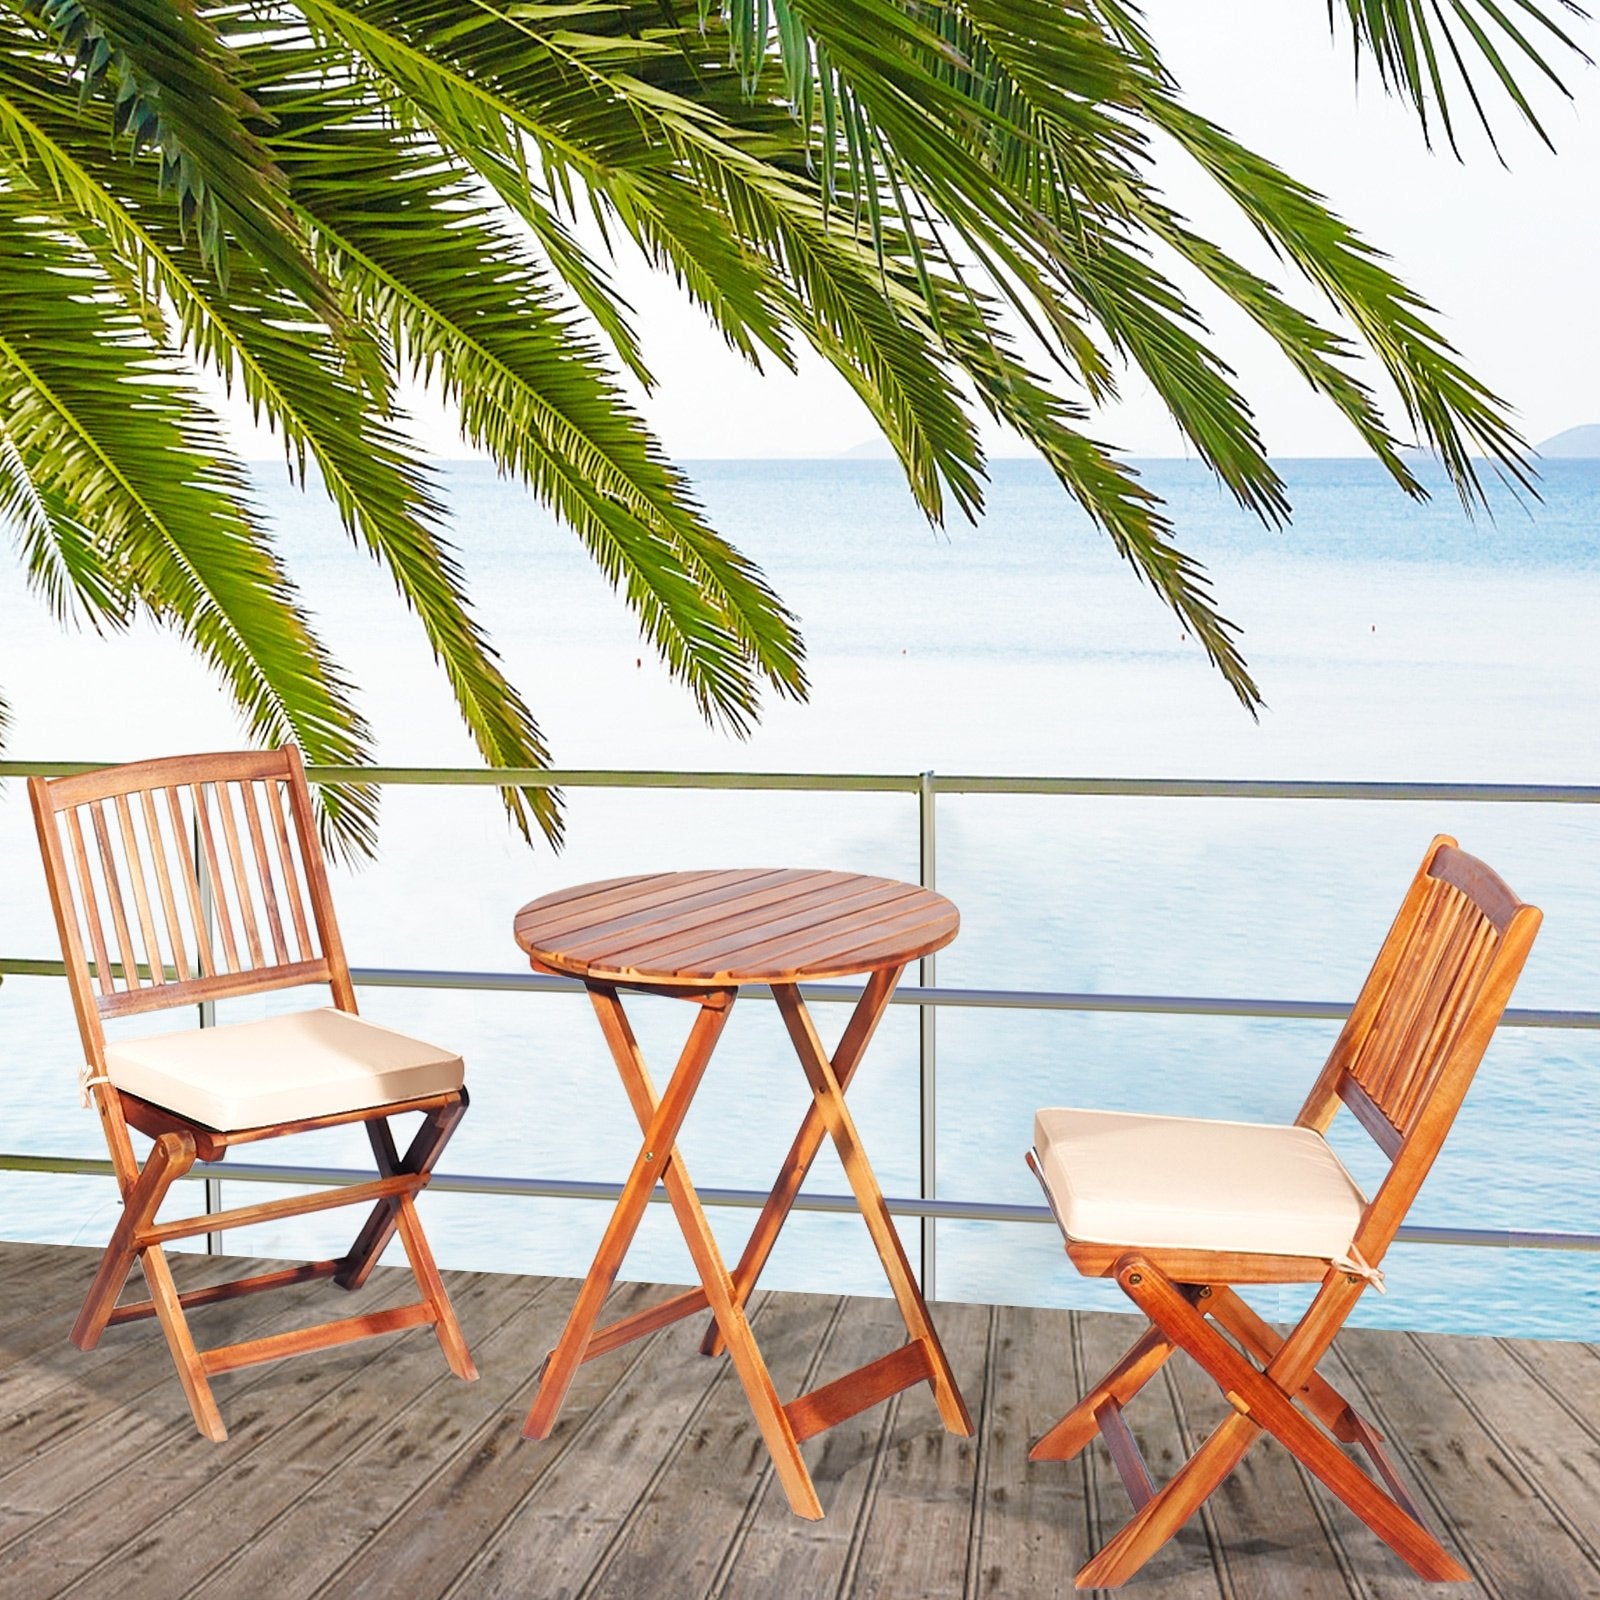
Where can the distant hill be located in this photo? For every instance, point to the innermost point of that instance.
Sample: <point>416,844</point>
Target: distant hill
<point>877,448</point>
<point>1581,441</point>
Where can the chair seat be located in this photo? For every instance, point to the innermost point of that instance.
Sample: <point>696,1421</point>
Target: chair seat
<point>284,1069</point>
<point>1181,1183</point>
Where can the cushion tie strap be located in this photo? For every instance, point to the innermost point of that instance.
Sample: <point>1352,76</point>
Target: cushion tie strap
<point>88,1078</point>
<point>1357,1265</point>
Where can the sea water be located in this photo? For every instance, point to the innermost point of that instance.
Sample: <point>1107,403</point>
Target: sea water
<point>1391,641</point>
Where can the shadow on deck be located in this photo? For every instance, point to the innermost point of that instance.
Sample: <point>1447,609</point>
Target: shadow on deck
<point>371,1471</point>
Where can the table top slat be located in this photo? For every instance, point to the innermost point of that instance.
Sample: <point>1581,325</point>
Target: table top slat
<point>575,910</point>
<point>757,944</point>
<point>593,891</point>
<point>725,939</point>
<point>696,917</point>
<point>888,931</point>
<point>710,929</point>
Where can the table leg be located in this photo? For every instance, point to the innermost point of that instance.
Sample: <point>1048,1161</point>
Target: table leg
<point>829,1101</point>
<point>662,1117</point>
<point>660,1123</point>
<point>869,1010</point>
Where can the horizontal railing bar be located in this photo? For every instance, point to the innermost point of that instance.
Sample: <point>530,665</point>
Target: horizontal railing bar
<point>552,778</point>
<point>907,995</point>
<point>749,1199</point>
<point>1276,789</point>
<point>910,783</point>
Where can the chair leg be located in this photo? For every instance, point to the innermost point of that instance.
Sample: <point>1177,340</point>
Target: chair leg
<point>1263,1341</point>
<point>170,1157</point>
<point>426,1272</point>
<point>187,1359</point>
<point>1261,1401</point>
<point>1179,1498</point>
<point>424,1151</point>
<point>1144,1359</point>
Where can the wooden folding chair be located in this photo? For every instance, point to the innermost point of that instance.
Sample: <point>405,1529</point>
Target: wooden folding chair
<point>205,874</point>
<point>1179,1210</point>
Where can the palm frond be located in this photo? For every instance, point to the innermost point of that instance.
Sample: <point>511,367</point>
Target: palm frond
<point>474,314</point>
<point>119,448</point>
<point>1430,52</point>
<point>170,87</point>
<point>1449,409</point>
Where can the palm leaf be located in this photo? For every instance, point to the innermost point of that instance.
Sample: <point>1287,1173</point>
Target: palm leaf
<point>172,89</point>
<point>472,312</point>
<point>117,448</point>
<point>1428,51</point>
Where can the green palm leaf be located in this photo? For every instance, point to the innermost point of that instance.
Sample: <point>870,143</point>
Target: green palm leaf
<point>120,453</point>
<point>474,315</point>
<point>1429,50</point>
<point>172,88</point>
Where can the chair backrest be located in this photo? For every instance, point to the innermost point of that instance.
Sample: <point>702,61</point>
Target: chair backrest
<point>1407,1053</point>
<point>186,879</point>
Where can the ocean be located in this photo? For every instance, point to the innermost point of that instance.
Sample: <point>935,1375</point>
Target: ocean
<point>1392,642</point>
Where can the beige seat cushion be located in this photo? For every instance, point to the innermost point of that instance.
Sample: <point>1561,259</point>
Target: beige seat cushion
<point>255,1074</point>
<point>1179,1183</point>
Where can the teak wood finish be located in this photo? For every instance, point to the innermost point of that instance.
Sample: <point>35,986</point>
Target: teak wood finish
<point>196,878</point>
<point>699,936</point>
<point>1402,1064</point>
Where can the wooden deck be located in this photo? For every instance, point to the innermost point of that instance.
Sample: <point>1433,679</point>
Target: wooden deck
<point>370,1471</point>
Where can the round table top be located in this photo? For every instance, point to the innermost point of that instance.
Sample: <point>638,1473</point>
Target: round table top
<point>751,925</point>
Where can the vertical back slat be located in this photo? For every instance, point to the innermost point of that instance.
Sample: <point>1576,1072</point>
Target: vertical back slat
<point>1448,948</point>
<point>119,916</point>
<point>1394,1009</point>
<point>208,854</point>
<point>155,957</point>
<point>1342,1067</point>
<point>291,873</point>
<point>1455,949</point>
<point>163,874</point>
<point>186,842</point>
<point>1407,1013</point>
<point>241,878</point>
<point>1452,1018</point>
<point>91,905</point>
<point>258,846</point>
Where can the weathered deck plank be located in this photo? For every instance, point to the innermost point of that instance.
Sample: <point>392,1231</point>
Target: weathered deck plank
<point>370,1470</point>
<point>569,1527</point>
<point>339,1513</point>
<point>919,1514</point>
<point>1030,1535</point>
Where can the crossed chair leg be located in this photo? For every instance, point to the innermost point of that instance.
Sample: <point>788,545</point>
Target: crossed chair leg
<point>138,1237</point>
<point>1263,1400</point>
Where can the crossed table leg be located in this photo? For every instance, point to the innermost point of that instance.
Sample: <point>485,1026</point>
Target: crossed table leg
<point>783,1426</point>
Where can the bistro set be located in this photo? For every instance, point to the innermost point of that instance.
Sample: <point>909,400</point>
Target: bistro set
<point>194,879</point>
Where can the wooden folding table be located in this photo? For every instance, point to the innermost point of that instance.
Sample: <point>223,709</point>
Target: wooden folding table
<point>699,936</point>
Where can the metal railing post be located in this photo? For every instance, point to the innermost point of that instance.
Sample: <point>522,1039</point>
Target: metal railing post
<point>208,1008</point>
<point>928,1077</point>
